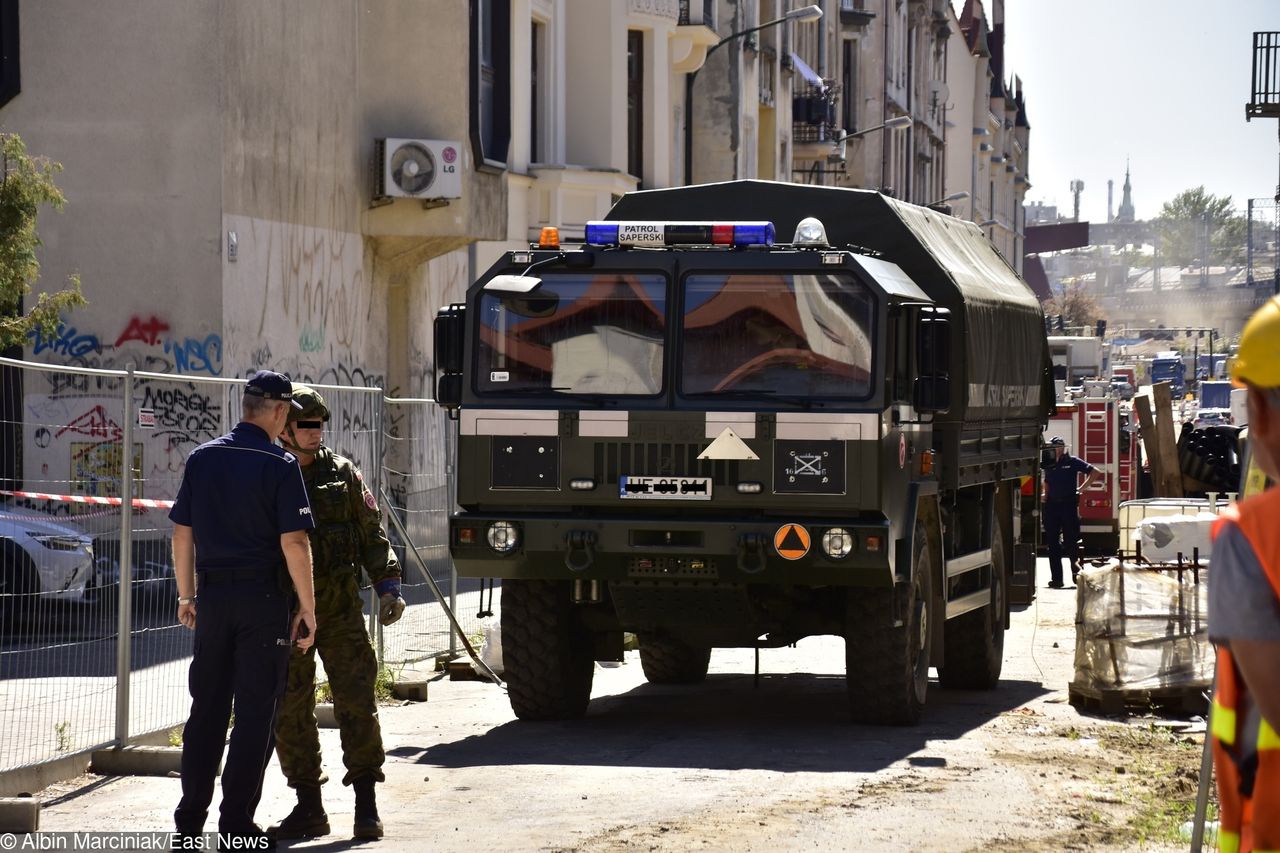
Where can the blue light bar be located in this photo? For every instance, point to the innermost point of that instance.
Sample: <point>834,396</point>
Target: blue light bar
<point>663,234</point>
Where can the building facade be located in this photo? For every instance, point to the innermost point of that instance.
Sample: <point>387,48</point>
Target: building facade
<point>240,175</point>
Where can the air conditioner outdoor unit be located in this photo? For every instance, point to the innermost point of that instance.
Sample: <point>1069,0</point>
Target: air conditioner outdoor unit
<point>418,168</point>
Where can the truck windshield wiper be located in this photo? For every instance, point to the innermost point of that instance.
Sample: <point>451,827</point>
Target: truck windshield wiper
<point>744,394</point>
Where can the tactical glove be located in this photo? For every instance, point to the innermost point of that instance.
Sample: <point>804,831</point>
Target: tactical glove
<point>390,608</point>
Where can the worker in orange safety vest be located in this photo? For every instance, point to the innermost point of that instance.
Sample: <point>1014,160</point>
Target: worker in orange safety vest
<point>1244,614</point>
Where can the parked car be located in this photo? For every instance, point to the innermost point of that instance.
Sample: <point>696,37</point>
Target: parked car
<point>1212,418</point>
<point>1121,388</point>
<point>42,560</point>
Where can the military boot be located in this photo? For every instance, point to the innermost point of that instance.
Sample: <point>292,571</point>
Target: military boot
<point>307,820</point>
<point>367,822</point>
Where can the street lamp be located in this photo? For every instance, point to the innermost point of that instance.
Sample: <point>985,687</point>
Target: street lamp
<point>804,14</point>
<point>895,123</point>
<point>943,205</point>
<point>960,196</point>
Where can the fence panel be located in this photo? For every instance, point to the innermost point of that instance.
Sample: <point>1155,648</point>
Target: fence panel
<point>419,477</point>
<point>67,683</point>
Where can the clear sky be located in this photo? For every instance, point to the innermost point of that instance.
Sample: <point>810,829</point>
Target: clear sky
<point>1162,83</point>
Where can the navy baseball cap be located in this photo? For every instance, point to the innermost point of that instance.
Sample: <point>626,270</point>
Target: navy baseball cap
<point>271,386</point>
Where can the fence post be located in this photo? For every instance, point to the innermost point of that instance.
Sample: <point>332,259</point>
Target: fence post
<point>451,487</point>
<point>124,631</point>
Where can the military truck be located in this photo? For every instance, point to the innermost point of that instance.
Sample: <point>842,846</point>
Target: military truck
<point>688,430</point>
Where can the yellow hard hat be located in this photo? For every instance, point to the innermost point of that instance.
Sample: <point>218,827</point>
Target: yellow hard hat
<point>1257,359</point>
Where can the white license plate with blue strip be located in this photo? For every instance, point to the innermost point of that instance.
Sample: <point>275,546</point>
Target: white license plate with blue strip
<point>664,488</point>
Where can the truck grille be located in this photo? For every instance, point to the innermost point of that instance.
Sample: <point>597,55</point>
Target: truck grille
<point>659,459</point>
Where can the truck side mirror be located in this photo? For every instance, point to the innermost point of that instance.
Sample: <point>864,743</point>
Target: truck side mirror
<point>931,391</point>
<point>933,341</point>
<point>450,336</point>
<point>449,390</point>
<point>931,394</point>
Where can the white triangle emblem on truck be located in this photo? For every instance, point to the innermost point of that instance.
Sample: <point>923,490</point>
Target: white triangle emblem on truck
<point>728,446</point>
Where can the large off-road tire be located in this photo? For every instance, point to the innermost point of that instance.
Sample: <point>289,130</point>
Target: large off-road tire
<point>547,654</point>
<point>667,660</point>
<point>887,665</point>
<point>974,642</point>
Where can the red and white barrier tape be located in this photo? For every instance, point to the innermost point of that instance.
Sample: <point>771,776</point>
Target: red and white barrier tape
<point>144,503</point>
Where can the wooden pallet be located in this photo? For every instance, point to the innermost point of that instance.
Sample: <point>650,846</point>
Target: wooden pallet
<point>1120,700</point>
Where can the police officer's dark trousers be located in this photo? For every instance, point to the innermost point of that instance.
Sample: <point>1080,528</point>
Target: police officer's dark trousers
<point>1062,535</point>
<point>241,654</point>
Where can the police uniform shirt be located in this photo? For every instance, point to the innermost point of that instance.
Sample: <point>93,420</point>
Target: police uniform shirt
<point>1061,479</point>
<point>239,494</point>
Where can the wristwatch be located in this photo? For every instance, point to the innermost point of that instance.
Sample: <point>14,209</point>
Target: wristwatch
<point>186,599</point>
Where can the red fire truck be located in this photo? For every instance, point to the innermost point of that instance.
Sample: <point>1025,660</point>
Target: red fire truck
<point>1096,430</point>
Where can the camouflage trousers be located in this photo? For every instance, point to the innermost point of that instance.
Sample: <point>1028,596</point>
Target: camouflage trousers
<point>342,642</point>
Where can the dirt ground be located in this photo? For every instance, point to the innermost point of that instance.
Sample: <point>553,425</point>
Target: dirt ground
<point>737,764</point>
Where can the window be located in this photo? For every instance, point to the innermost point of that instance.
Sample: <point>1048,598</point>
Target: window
<point>600,333</point>
<point>536,54</point>
<point>635,103</point>
<point>491,78</point>
<point>849,87</point>
<point>790,335</point>
<point>10,79</point>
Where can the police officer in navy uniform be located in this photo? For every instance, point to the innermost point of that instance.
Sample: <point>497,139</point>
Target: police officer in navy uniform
<point>1061,508</point>
<point>240,519</point>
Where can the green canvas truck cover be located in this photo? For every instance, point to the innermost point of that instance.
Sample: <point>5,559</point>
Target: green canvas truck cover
<point>999,358</point>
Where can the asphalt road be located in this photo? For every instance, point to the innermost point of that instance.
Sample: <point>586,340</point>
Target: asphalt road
<point>732,764</point>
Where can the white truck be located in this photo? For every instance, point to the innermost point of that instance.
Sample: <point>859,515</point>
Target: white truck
<point>1077,358</point>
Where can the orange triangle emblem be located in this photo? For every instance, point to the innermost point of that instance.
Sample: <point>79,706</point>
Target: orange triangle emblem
<point>791,541</point>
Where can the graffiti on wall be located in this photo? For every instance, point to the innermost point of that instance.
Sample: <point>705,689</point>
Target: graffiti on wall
<point>143,340</point>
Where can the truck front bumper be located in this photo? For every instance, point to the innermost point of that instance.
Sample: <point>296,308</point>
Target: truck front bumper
<point>766,551</point>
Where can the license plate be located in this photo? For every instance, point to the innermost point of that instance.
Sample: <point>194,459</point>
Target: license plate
<point>665,488</point>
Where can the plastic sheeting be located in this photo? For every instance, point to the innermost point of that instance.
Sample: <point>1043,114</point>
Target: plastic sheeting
<point>1139,628</point>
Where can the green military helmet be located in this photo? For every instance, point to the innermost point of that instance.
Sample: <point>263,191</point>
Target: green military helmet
<point>313,405</point>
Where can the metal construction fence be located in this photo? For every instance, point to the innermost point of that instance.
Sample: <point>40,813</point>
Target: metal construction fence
<point>83,665</point>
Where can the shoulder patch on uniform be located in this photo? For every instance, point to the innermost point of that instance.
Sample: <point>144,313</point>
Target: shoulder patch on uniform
<point>369,501</point>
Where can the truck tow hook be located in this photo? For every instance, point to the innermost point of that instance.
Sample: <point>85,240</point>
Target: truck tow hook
<point>580,542</point>
<point>751,553</point>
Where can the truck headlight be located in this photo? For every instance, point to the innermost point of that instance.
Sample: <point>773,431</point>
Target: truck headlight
<point>503,536</point>
<point>837,543</point>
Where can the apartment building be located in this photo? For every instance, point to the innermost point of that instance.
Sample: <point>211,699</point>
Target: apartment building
<point>301,184</point>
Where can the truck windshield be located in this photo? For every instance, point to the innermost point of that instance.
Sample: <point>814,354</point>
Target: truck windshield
<point>795,334</point>
<point>577,333</point>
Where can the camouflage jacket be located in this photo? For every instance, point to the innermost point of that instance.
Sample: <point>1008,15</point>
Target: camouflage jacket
<point>348,534</point>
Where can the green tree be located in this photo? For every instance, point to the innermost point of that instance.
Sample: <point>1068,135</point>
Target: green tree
<point>1195,221</point>
<point>27,183</point>
<point>1078,308</point>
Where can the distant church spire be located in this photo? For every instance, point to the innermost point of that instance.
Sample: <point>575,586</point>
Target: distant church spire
<point>1126,200</point>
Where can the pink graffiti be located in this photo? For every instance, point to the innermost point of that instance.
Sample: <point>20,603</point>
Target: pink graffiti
<point>94,423</point>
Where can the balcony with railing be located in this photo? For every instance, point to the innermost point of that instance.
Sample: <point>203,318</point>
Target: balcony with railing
<point>855,14</point>
<point>695,12</point>
<point>694,36</point>
<point>813,118</point>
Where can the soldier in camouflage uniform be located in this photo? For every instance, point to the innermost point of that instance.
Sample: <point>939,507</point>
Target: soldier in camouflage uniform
<point>347,537</point>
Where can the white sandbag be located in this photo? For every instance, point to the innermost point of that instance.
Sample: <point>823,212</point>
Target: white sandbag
<point>491,648</point>
<point>1165,537</point>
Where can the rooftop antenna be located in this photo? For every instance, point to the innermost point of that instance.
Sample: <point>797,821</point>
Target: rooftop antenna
<point>1077,187</point>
